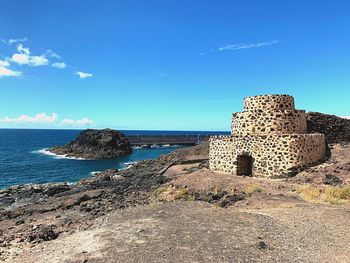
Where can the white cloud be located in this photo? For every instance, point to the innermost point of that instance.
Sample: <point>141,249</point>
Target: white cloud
<point>43,118</point>
<point>24,57</point>
<point>345,117</point>
<point>83,75</point>
<point>60,65</point>
<point>52,54</point>
<point>246,46</point>
<point>81,122</point>
<point>38,61</point>
<point>16,40</point>
<point>22,49</point>
<point>230,47</point>
<point>13,40</point>
<point>20,59</point>
<point>4,63</point>
<point>6,72</point>
<point>38,118</point>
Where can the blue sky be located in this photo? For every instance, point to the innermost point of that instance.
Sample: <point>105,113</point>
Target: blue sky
<point>174,65</point>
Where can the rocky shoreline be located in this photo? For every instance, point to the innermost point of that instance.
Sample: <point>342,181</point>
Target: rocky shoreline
<point>68,207</point>
<point>32,214</point>
<point>95,144</point>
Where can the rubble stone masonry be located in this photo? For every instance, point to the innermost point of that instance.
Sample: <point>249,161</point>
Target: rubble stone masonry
<point>268,139</point>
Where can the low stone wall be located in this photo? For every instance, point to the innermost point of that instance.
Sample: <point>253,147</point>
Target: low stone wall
<point>269,102</point>
<point>273,156</point>
<point>268,122</point>
<point>221,153</point>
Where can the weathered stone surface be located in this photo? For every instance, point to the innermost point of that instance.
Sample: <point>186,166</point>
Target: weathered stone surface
<point>96,144</point>
<point>336,129</point>
<point>268,139</point>
<point>52,190</point>
<point>77,199</point>
<point>43,233</point>
<point>331,179</point>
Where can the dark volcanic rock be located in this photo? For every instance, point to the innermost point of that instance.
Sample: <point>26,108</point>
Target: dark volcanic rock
<point>96,144</point>
<point>336,129</point>
<point>56,189</point>
<point>332,180</point>
<point>36,213</point>
<point>43,233</point>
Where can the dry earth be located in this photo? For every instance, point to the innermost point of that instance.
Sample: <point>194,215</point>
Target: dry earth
<point>263,220</point>
<point>199,232</point>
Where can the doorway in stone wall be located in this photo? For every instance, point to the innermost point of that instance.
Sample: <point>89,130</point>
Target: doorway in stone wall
<point>244,165</point>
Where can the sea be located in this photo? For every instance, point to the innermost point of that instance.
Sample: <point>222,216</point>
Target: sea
<point>24,159</point>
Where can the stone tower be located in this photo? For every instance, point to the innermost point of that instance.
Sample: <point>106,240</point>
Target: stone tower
<point>268,139</point>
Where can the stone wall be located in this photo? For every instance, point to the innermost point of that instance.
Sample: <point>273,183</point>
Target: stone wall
<point>268,122</point>
<point>269,139</point>
<point>221,153</point>
<point>269,102</point>
<point>273,156</point>
<point>336,129</point>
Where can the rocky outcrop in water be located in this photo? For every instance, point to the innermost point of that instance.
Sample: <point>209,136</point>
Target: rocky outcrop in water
<point>336,129</point>
<point>96,144</point>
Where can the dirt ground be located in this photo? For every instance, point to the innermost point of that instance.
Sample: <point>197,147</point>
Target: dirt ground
<point>199,232</point>
<point>269,222</point>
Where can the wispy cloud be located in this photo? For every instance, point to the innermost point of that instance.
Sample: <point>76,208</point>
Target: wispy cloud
<point>162,73</point>
<point>238,46</point>
<point>246,46</point>
<point>6,72</point>
<point>38,118</point>
<point>59,65</point>
<point>52,54</point>
<point>47,119</point>
<point>81,122</point>
<point>83,75</point>
<point>14,40</point>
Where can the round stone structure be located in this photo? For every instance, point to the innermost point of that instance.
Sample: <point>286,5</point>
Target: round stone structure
<point>268,122</point>
<point>268,139</point>
<point>269,102</point>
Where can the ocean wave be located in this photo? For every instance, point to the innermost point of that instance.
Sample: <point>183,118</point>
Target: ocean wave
<point>94,172</point>
<point>56,156</point>
<point>128,165</point>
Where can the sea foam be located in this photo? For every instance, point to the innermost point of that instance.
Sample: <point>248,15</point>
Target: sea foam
<point>56,156</point>
<point>128,165</point>
<point>94,172</point>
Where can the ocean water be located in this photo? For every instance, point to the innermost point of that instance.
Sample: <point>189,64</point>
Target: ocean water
<point>23,159</point>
